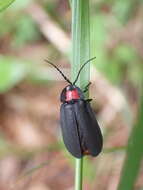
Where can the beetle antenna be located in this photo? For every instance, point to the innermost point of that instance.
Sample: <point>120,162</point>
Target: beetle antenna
<point>59,71</point>
<point>82,68</point>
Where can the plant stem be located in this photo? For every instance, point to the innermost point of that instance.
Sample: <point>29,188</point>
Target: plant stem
<point>80,40</point>
<point>78,173</point>
<point>80,54</point>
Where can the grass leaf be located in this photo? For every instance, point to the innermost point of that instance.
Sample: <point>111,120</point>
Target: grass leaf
<point>80,54</point>
<point>11,72</point>
<point>80,40</point>
<point>134,154</point>
<point>5,3</point>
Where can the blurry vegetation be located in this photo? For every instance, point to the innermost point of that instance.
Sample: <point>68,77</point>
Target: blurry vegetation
<point>134,154</point>
<point>5,4</point>
<point>116,41</point>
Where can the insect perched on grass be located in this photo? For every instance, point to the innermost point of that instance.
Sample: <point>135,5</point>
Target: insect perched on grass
<point>80,129</point>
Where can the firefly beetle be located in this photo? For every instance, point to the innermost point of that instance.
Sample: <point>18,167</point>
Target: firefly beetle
<point>80,130</point>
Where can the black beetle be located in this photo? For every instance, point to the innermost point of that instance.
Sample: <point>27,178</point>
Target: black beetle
<point>80,129</point>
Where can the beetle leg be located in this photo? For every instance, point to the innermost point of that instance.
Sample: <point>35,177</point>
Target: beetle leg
<point>86,87</point>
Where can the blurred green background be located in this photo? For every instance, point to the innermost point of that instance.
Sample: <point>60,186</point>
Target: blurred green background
<point>32,154</point>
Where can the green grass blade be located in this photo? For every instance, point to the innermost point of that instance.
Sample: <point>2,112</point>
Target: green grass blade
<point>80,54</point>
<point>5,3</point>
<point>134,154</point>
<point>80,40</point>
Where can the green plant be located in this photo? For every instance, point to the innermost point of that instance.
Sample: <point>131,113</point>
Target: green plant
<point>4,4</point>
<point>134,154</point>
<point>12,71</point>
<point>80,54</point>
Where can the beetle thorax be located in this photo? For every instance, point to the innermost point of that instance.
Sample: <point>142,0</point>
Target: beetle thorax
<point>72,95</point>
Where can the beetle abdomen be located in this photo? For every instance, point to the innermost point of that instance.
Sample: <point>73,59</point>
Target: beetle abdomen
<point>81,132</point>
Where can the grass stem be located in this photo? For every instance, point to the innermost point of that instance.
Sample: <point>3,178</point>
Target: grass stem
<point>80,54</point>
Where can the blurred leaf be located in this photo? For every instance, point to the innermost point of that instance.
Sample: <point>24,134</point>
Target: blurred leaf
<point>19,5</point>
<point>113,70</point>
<point>21,32</point>
<point>125,53</point>
<point>123,65</point>
<point>135,74</point>
<point>89,170</point>
<point>25,31</point>
<point>70,2</point>
<point>98,30</point>
<point>119,63</point>
<point>5,3</point>
<point>4,146</point>
<point>98,36</point>
<point>11,72</point>
<point>124,10</point>
<point>7,27</point>
<point>134,156</point>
